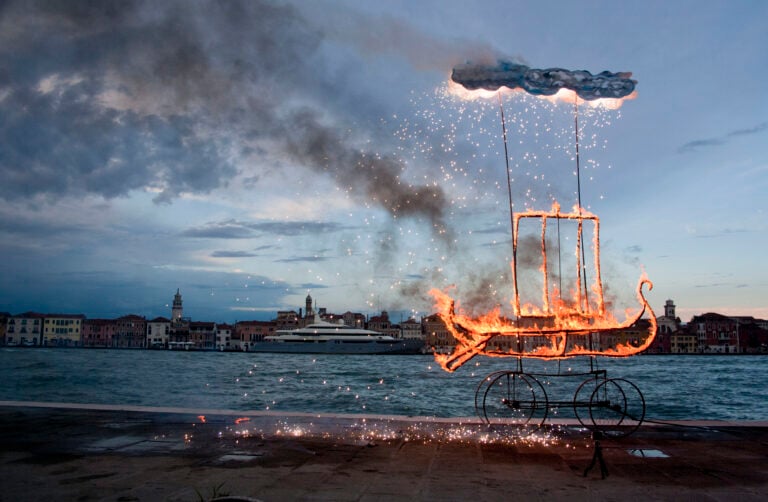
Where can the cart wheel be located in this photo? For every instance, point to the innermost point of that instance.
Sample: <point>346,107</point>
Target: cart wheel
<point>616,407</point>
<point>513,398</point>
<point>480,392</point>
<point>582,396</point>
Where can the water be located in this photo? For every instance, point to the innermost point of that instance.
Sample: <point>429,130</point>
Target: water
<point>674,387</point>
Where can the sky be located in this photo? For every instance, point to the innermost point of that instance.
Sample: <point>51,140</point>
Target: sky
<point>249,153</point>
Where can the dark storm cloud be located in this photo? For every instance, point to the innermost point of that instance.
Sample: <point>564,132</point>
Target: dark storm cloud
<point>725,232</point>
<point>111,97</point>
<point>722,140</point>
<point>226,230</point>
<point>699,143</point>
<point>289,228</point>
<point>299,259</point>
<point>232,254</point>
<point>233,229</point>
<point>751,130</point>
<point>544,82</point>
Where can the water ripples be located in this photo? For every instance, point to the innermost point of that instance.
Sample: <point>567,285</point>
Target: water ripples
<point>675,387</point>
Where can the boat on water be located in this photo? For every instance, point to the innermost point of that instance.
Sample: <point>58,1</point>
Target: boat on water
<point>323,337</point>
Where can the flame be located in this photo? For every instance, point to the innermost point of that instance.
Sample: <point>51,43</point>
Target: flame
<point>201,418</point>
<point>569,96</point>
<point>461,92</point>
<point>562,95</point>
<point>241,420</point>
<point>560,328</point>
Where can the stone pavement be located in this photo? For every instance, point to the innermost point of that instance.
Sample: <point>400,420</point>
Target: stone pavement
<point>51,451</point>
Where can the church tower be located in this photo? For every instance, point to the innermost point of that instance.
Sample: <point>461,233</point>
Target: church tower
<point>669,309</point>
<point>309,312</point>
<point>177,311</point>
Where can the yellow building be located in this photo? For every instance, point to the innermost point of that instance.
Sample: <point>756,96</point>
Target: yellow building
<point>63,330</point>
<point>438,338</point>
<point>683,342</point>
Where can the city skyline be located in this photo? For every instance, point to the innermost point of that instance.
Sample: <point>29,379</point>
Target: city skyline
<point>249,153</point>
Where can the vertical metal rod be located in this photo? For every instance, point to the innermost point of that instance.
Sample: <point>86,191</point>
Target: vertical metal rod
<point>511,209</point>
<point>581,241</point>
<point>578,193</point>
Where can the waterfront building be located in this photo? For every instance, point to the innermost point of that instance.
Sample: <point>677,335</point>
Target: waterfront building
<point>158,333</point>
<point>202,334</point>
<point>24,330</point>
<point>411,330</point>
<point>437,336</point>
<point>683,341</point>
<point>130,332</point>
<point>287,319</point>
<point>3,326</point>
<point>98,332</point>
<point>353,319</point>
<point>751,337</point>
<point>224,334</point>
<point>62,330</point>
<point>252,332</point>
<point>382,324</point>
<point>715,333</point>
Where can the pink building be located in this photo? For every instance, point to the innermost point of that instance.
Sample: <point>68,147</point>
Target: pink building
<point>130,332</point>
<point>249,333</point>
<point>98,332</point>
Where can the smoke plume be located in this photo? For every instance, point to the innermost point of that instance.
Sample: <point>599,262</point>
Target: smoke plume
<point>106,98</point>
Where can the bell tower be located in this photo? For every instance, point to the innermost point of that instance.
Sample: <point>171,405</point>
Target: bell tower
<point>669,309</point>
<point>177,311</point>
<point>309,312</point>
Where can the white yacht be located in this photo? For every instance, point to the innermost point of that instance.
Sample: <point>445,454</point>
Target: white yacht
<point>323,337</point>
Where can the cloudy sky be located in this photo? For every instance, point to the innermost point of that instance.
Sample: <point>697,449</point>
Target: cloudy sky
<point>251,152</point>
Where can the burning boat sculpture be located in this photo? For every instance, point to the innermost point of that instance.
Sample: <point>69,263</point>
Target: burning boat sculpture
<point>557,329</point>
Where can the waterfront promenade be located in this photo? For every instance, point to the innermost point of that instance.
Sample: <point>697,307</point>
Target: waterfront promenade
<point>52,451</point>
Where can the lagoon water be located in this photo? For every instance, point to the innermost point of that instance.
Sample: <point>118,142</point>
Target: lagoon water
<point>674,387</point>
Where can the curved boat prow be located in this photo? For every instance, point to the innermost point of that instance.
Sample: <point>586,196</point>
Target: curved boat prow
<point>592,336</point>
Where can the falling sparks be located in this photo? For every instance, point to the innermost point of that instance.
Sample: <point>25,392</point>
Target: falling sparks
<point>370,432</point>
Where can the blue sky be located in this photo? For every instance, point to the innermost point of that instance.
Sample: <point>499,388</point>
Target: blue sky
<point>252,152</point>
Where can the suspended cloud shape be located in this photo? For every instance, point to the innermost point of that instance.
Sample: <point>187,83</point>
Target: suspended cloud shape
<point>545,82</point>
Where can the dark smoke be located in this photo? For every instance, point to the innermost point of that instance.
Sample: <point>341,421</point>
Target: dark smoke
<point>544,82</point>
<point>366,176</point>
<point>106,98</point>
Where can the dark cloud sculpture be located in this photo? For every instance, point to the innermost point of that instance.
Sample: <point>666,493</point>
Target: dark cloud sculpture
<point>546,82</point>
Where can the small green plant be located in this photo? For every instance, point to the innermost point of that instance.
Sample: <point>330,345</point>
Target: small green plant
<point>216,492</point>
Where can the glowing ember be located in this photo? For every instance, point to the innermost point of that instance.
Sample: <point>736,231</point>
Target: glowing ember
<point>560,327</point>
<point>201,418</point>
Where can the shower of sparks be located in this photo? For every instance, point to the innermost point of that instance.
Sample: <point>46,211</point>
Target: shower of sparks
<point>371,431</point>
<point>551,331</point>
<point>460,140</point>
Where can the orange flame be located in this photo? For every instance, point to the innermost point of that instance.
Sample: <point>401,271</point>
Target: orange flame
<point>562,95</point>
<point>201,418</point>
<point>557,329</point>
<point>241,420</point>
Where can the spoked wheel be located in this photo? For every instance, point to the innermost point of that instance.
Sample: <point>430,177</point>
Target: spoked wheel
<point>582,397</point>
<point>513,398</point>
<point>616,407</point>
<point>482,387</point>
